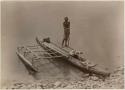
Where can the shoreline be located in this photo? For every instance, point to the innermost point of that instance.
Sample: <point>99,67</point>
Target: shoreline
<point>116,80</point>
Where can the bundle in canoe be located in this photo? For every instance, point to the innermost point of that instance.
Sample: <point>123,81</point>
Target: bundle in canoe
<point>64,54</point>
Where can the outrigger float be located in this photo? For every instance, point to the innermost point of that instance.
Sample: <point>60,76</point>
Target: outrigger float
<point>32,56</point>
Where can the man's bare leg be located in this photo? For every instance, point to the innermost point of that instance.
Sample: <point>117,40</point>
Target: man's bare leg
<point>63,42</point>
<point>68,41</point>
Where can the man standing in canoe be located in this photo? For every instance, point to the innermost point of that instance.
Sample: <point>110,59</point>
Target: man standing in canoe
<point>66,25</point>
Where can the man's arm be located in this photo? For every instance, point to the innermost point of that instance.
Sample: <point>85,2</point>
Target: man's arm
<point>63,25</point>
<point>69,24</point>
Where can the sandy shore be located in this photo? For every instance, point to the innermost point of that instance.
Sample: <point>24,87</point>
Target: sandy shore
<point>115,81</point>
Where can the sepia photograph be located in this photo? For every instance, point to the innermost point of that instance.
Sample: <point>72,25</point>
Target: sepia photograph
<point>62,44</point>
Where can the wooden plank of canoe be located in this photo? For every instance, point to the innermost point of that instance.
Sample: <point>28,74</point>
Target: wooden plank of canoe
<point>67,49</point>
<point>55,48</point>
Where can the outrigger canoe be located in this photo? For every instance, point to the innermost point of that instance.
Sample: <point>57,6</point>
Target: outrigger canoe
<point>64,54</point>
<point>33,56</point>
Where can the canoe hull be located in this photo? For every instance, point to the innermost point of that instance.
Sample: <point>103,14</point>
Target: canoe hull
<point>74,61</point>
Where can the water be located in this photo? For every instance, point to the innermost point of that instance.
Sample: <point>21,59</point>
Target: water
<point>96,29</point>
